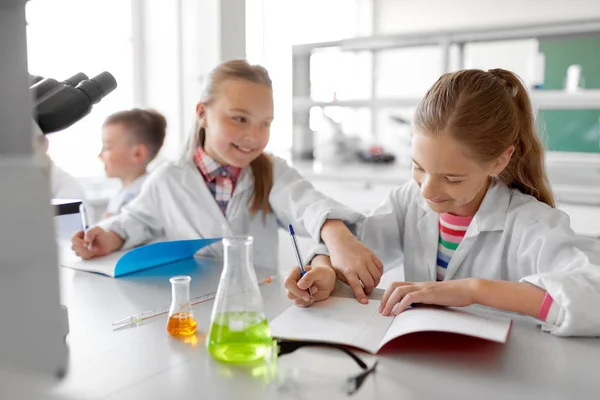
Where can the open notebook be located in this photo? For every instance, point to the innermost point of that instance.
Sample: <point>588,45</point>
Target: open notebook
<point>151,255</point>
<point>345,321</point>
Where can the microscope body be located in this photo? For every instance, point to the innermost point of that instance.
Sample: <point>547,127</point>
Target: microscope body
<point>34,324</point>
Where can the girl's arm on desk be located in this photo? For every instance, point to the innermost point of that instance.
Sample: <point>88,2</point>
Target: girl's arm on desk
<point>519,297</point>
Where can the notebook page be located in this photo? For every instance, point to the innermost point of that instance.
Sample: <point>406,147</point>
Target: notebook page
<point>335,320</point>
<point>430,319</point>
<point>102,265</point>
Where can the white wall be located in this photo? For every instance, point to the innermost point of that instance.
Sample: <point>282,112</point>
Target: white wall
<point>415,15</point>
<point>183,40</point>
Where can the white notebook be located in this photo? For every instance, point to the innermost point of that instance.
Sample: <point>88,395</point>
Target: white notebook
<point>148,256</point>
<point>345,321</point>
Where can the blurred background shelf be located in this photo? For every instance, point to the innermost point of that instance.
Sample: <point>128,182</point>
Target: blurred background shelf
<point>541,99</point>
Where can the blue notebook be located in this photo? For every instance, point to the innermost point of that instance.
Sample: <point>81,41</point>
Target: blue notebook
<point>149,256</point>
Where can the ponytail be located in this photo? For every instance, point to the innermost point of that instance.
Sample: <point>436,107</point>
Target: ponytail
<point>526,169</point>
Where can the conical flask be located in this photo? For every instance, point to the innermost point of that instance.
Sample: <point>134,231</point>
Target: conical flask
<point>239,332</point>
<point>181,320</point>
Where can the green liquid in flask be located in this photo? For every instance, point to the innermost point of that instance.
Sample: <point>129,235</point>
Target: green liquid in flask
<point>240,337</point>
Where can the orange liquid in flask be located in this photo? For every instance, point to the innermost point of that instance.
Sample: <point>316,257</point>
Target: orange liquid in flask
<point>182,324</point>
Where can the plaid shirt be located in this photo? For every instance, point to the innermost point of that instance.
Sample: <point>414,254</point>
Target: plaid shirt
<point>220,179</point>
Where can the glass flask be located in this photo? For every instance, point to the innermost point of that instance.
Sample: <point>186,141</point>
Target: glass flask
<point>239,332</point>
<point>181,317</point>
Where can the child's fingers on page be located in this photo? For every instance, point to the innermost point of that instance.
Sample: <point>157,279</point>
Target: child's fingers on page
<point>410,298</point>
<point>356,287</point>
<point>386,295</point>
<point>389,292</point>
<point>367,281</point>
<point>396,296</point>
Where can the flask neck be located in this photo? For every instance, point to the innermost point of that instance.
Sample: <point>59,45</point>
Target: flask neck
<point>180,289</point>
<point>180,292</point>
<point>237,255</point>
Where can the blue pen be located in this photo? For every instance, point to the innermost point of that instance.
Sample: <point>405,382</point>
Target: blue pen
<point>84,221</point>
<point>298,257</point>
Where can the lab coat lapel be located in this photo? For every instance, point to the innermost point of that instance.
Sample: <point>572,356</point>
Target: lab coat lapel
<point>428,230</point>
<point>244,182</point>
<point>462,250</point>
<point>491,216</point>
<point>193,181</point>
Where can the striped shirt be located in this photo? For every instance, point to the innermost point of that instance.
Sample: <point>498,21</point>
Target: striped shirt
<point>220,179</point>
<point>452,232</point>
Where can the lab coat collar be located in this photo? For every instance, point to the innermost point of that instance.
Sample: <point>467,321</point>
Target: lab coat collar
<point>192,180</point>
<point>491,215</point>
<point>245,181</point>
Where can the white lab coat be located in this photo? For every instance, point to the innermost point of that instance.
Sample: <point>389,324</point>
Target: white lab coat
<point>512,237</point>
<point>125,195</point>
<point>176,203</point>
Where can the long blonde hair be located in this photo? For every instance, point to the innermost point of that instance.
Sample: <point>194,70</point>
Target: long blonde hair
<point>262,166</point>
<point>488,112</point>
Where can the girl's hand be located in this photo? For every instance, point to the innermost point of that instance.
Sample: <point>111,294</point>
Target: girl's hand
<point>458,293</point>
<point>356,265</point>
<point>96,242</point>
<point>353,262</point>
<point>319,278</point>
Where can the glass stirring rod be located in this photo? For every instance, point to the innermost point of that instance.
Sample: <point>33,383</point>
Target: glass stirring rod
<point>155,312</point>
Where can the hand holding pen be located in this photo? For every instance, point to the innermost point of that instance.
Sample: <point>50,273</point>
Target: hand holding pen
<point>320,277</point>
<point>95,242</point>
<point>298,257</point>
<point>85,222</point>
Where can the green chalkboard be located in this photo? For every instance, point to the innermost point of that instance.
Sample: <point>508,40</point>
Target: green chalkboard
<point>571,130</point>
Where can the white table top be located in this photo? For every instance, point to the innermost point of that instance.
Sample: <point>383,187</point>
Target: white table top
<point>145,362</point>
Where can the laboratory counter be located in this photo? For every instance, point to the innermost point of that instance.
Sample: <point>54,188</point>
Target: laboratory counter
<point>144,362</point>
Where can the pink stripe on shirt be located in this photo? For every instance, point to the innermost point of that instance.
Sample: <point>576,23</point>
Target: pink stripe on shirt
<point>451,238</point>
<point>456,220</point>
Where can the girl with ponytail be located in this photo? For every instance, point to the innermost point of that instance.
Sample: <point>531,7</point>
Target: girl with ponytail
<point>477,225</point>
